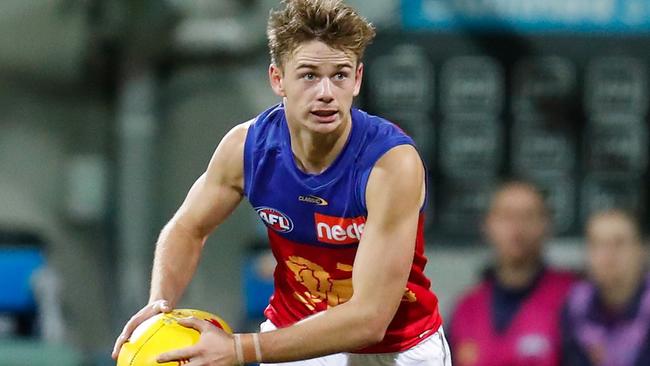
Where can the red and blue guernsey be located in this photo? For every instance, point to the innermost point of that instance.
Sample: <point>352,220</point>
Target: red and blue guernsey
<point>315,222</point>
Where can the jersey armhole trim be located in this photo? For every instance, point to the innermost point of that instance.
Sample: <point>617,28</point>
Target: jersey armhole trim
<point>249,152</point>
<point>375,156</point>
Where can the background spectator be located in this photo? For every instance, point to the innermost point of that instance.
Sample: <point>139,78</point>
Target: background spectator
<point>607,317</point>
<point>511,317</point>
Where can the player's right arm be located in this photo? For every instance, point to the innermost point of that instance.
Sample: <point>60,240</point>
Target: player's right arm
<point>212,198</point>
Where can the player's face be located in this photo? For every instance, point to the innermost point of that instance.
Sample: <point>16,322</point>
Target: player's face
<point>516,225</point>
<point>615,256</point>
<point>318,84</point>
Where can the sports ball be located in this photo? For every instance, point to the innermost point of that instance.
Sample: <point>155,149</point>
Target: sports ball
<point>162,333</point>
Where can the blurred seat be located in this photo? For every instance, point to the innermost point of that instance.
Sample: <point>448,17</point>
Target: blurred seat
<point>20,258</point>
<point>22,343</point>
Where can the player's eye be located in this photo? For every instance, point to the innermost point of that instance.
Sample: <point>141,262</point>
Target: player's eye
<point>340,76</point>
<point>309,76</point>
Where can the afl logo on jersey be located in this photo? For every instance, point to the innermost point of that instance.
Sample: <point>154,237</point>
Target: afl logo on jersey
<point>275,219</point>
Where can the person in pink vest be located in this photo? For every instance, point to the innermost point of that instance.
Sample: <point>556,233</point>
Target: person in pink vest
<point>512,317</point>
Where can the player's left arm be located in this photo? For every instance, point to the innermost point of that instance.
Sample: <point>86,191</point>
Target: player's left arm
<point>394,194</point>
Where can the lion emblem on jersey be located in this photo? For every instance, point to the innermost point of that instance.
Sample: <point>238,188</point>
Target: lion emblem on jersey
<point>322,289</point>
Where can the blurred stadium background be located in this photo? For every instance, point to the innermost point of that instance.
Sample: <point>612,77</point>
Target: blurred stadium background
<point>111,109</point>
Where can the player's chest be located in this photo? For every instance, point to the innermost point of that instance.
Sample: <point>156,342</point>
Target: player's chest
<point>327,216</point>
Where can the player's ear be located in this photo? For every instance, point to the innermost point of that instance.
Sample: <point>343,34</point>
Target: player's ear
<point>275,78</point>
<point>358,76</point>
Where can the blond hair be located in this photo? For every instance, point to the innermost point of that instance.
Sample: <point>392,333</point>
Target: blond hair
<point>330,21</point>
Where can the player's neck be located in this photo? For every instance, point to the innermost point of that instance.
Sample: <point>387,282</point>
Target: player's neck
<point>314,153</point>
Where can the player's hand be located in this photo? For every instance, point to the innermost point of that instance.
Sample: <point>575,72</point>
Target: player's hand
<point>214,348</point>
<point>151,309</point>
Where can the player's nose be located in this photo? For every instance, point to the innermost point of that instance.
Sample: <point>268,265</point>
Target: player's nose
<point>325,90</point>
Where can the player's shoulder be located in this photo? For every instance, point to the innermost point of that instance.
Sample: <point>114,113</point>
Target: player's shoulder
<point>270,117</point>
<point>377,124</point>
<point>400,161</point>
<point>379,137</point>
<point>229,153</point>
<point>236,137</point>
<point>266,130</point>
<point>239,133</point>
<point>240,130</point>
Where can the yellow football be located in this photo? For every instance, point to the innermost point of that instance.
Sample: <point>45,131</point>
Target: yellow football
<point>162,333</point>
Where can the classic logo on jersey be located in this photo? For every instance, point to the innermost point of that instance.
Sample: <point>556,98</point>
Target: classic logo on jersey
<point>339,230</point>
<point>313,199</point>
<point>275,219</point>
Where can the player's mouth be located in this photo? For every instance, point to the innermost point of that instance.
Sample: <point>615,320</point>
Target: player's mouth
<point>325,115</point>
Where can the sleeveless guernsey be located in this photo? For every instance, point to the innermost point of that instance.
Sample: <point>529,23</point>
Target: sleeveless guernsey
<point>315,221</point>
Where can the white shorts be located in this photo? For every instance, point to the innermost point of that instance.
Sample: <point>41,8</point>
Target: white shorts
<point>434,351</point>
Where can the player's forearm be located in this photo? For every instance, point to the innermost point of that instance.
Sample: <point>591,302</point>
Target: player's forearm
<point>177,255</point>
<point>347,327</point>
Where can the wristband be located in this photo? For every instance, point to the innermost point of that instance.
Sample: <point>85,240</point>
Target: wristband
<point>250,348</point>
<point>258,347</point>
<point>239,353</point>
